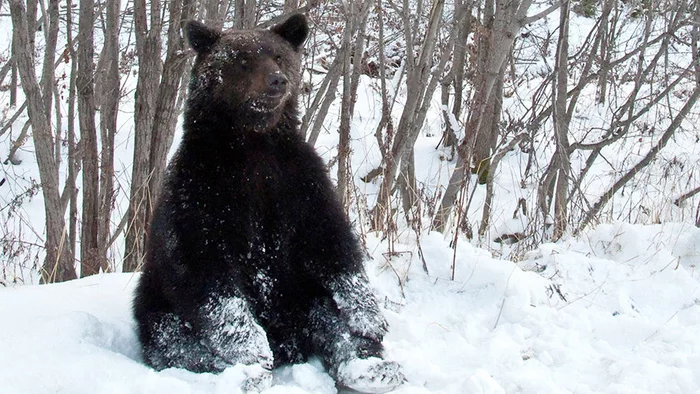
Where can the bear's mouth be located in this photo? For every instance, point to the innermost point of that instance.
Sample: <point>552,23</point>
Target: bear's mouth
<point>268,102</point>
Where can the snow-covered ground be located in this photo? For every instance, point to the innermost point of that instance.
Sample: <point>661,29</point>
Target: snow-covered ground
<point>616,310</point>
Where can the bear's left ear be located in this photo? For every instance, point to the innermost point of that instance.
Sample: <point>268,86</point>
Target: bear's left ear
<point>200,36</point>
<point>294,30</point>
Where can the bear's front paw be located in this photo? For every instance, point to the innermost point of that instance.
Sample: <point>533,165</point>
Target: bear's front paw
<point>370,325</point>
<point>370,375</point>
<point>234,336</point>
<point>257,379</point>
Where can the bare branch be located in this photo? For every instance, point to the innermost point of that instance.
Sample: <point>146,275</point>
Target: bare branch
<point>670,131</point>
<point>12,120</point>
<point>686,196</point>
<point>542,14</point>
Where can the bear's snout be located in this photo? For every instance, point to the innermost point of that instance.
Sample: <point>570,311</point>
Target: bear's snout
<point>276,84</point>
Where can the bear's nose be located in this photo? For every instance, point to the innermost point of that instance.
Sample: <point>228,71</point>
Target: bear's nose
<point>276,83</point>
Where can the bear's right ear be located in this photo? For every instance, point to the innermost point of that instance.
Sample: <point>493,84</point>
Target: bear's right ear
<point>200,36</point>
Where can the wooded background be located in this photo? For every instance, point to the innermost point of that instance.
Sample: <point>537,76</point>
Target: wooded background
<point>67,75</point>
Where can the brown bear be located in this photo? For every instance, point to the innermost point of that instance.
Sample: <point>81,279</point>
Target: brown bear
<point>250,257</point>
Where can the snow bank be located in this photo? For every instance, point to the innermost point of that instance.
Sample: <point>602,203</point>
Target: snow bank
<point>615,310</point>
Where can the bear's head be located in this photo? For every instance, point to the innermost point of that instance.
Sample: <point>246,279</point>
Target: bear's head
<point>247,79</point>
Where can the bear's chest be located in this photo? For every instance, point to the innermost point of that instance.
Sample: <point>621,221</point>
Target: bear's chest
<point>261,180</point>
<point>244,207</point>
<point>238,182</point>
<point>247,197</point>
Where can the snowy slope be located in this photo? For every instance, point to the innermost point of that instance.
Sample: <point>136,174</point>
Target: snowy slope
<point>616,310</point>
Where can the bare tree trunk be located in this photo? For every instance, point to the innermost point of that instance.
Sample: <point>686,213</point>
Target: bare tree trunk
<point>561,127</point>
<point>605,44</point>
<point>239,10</point>
<point>489,128</point>
<point>508,17</point>
<point>460,56</point>
<point>47,75</point>
<point>58,151</point>
<point>73,163</point>
<point>167,105</point>
<point>213,12</point>
<point>407,183</point>
<point>250,16</point>
<point>89,258</point>
<point>498,37</point>
<point>13,76</point>
<point>346,106</point>
<point>245,14</point>
<point>32,12</point>
<point>409,124</point>
<point>157,106</point>
<point>386,120</point>
<point>58,264</point>
<point>456,75</point>
<point>109,109</point>
<point>148,47</point>
<point>356,23</point>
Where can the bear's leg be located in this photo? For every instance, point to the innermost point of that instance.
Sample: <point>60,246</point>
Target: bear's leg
<point>358,306</point>
<point>354,361</point>
<point>231,332</point>
<point>222,333</point>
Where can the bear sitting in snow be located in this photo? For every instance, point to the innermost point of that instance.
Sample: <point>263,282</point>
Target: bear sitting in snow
<point>250,258</point>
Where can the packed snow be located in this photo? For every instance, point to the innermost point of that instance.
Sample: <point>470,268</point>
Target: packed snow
<point>614,310</point>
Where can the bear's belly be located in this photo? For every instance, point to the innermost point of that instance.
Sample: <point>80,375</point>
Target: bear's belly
<point>275,284</point>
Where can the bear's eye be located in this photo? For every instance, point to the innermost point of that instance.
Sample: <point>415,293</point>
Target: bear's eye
<point>278,59</point>
<point>243,63</point>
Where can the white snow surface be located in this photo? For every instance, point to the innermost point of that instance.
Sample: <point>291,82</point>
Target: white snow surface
<point>616,310</point>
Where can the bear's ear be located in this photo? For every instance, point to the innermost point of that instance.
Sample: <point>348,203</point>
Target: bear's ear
<point>200,37</point>
<point>294,30</point>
